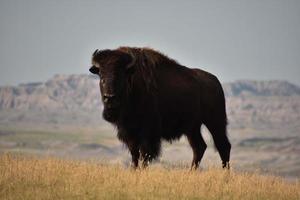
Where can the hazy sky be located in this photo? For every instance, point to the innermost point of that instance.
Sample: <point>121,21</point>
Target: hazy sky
<point>233,39</point>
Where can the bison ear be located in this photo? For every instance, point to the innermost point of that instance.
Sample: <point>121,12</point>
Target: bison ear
<point>94,70</point>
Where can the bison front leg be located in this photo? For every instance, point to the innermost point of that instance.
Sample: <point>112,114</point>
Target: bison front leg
<point>132,144</point>
<point>135,154</point>
<point>134,151</point>
<point>150,150</point>
<point>150,134</point>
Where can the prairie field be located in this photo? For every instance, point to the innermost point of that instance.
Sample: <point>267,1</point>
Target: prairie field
<point>32,177</point>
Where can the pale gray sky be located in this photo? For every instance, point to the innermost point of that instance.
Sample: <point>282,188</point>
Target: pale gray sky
<point>257,39</point>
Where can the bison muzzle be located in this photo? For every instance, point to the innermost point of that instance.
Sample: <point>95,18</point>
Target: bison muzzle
<point>150,97</point>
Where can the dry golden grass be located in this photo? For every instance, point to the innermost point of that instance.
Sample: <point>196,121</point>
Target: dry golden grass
<point>35,178</point>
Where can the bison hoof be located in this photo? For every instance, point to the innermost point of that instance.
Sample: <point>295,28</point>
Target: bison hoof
<point>133,166</point>
<point>225,165</point>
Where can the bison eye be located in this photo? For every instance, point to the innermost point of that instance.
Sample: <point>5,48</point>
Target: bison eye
<point>94,70</point>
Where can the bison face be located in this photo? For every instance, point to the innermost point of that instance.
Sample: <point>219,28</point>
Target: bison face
<point>111,66</point>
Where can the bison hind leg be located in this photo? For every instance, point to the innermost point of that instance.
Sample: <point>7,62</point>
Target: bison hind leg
<point>218,132</point>
<point>198,145</point>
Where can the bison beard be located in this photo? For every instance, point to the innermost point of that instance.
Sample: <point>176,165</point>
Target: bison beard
<point>159,99</point>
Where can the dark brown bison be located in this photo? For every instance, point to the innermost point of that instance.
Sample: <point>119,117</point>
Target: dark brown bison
<point>150,97</point>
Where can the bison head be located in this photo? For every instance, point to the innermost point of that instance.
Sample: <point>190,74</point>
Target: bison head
<point>112,66</point>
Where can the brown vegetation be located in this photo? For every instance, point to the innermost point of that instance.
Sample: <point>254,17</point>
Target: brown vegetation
<point>49,178</point>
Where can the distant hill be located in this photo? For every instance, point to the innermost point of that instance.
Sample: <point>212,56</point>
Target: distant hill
<point>75,100</point>
<point>62,92</point>
<point>261,88</point>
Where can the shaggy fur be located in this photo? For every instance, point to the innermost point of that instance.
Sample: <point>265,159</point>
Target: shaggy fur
<point>152,97</point>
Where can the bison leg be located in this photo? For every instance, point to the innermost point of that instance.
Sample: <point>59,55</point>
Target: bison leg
<point>198,145</point>
<point>132,144</point>
<point>218,131</point>
<point>150,150</point>
<point>135,154</point>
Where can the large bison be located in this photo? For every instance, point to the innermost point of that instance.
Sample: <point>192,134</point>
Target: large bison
<point>150,97</point>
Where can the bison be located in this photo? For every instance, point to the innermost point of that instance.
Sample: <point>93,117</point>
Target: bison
<point>150,97</point>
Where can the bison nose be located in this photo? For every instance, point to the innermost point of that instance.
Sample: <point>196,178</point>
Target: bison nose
<point>108,97</point>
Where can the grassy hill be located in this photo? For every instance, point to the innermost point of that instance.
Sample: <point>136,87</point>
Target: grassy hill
<point>23,177</point>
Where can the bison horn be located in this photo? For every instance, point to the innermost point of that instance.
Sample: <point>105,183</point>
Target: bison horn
<point>95,52</point>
